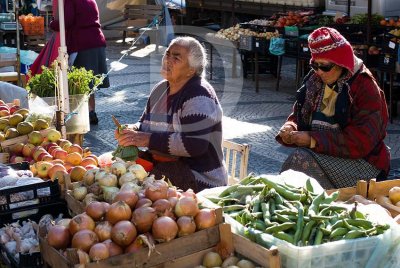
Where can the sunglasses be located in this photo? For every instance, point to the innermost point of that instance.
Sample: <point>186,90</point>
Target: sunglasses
<point>323,67</point>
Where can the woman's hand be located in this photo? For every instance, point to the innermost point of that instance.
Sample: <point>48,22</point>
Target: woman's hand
<point>129,137</point>
<point>284,133</point>
<point>301,138</point>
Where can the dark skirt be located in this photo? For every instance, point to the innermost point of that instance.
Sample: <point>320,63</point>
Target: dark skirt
<point>94,59</point>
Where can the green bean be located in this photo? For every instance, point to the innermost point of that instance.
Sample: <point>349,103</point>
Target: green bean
<point>286,212</point>
<point>280,227</point>
<point>350,227</point>
<point>259,225</point>
<point>366,224</point>
<point>307,231</point>
<point>312,236</point>
<point>320,217</point>
<point>318,236</point>
<point>331,198</point>
<point>338,224</point>
<point>284,236</point>
<point>326,231</point>
<point>355,234</point>
<point>256,204</point>
<point>272,206</point>
<point>278,199</point>
<point>257,187</point>
<point>248,179</point>
<point>314,207</point>
<point>227,191</point>
<point>281,218</point>
<point>325,211</point>
<point>289,195</point>
<point>248,199</point>
<point>265,211</point>
<point>309,186</point>
<point>233,207</point>
<point>341,231</point>
<point>299,224</point>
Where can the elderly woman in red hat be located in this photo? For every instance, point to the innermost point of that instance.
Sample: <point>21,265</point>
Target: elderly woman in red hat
<point>339,119</point>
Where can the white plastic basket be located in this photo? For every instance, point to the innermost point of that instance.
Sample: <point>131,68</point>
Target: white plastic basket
<point>369,252</point>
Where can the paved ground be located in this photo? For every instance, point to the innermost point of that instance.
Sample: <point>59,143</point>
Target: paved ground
<point>250,117</point>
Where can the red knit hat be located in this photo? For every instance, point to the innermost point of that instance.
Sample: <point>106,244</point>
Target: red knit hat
<point>328,44</point>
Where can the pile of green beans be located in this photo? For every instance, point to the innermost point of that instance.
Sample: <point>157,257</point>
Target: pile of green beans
<point>296,215</point>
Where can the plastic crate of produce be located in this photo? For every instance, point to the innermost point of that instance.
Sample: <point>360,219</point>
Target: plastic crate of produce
<point>353,253</point>
<point>26,260</point>
<point>390,44</point>
<point>24,198</point>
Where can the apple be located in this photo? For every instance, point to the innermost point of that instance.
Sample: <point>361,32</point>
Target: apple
<point>53,135</point>
<point>47,158</point>
<point>52,148</point>
<point>17,148</point>
<point>29,160</point>
<point>74,158</point>
<point>57,161</point>
<point>59,154</point>
<point>35,137</point>
<point>89,167</point>
<point>27,150</point>
<point>41,155</point>
<point>4,110</point>
<point>94,157</point>
<point>54,169</point>
<point>37,152</point>
<point>43,169</point>
<point>33,169</point>
<point>65,143</point>
<point>75,148</point>
<point>49,145</point>
<point>88,161</point>
<point>16,159</point>
<point>14,108</point>
<point>77,173</point>
<point>59,175</point>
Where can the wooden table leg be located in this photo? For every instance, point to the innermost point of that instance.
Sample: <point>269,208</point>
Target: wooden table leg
<point>278,75</point>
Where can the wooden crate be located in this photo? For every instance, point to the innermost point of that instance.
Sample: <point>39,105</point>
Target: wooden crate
<point>242,247</point>
<point>345,194</point>
<point>164,252</point>
<point>378,192</point>
<point>75,207</point>
<point>7,144</point>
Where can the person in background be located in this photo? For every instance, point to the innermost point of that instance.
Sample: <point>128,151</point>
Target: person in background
<point>86,44</point>
<point>338,124</point>
<point>181,124</point>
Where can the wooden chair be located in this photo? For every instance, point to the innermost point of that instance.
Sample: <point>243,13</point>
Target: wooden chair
<point>12,76</point>
<point>236,153</point>
<point>137,17</point>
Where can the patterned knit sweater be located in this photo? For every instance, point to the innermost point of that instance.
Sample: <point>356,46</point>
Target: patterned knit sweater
<point>188,124</point>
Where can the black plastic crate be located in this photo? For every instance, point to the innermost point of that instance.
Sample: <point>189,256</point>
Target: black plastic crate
<point>27,197</point>
<point>27,260</point>
<point>246,42</point>
<point>390,44</point>
<point>261,45</point>
<point>291,47</point>
<point>387,62</point>
<point>372,61</point>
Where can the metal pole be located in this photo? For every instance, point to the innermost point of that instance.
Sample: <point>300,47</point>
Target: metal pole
<point>63,68</point>
<point>369,21</point>
<point>16,6</point>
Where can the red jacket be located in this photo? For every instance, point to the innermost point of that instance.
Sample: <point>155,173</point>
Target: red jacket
<point>365,130</point>
<point>82,25</point>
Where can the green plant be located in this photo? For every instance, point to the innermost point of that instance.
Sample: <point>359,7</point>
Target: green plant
<point>80,81</point>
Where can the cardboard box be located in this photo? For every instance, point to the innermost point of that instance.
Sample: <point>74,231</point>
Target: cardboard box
<point>379,191</point>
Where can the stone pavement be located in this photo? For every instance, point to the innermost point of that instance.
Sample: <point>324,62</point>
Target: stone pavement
<point>249,117</point>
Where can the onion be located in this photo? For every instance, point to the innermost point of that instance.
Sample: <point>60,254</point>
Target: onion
<point>138,170</point>
<point>88,178</point>
<point>173,200</point>
<point>103,230</point>
<point>83,257</point>
<point>127,177</point>
<point>84,240</point>
<point>189,193</point>
<point>212,259</point>
<point>186,225</point>
<point>63,222</point>
<point>118,211</point>
<point>143,218</point>
<point>161,206</point>
<point>143,202</point>
<point>205,218</point>
<point>230,261</point>
<point>109,193</point>
<point>79,193</point>
<point>172,192</point>
<point>113,248</point>
<point>58,236</point>
<point>95,189</point>
<point>164,229</point>
<point>81,222</point>
<point>157,190</point>
<point>108,180</point>
<point>123,233</point>
<point>89,198</point>
<point>118,168</point>
<point>245,264</point>
<point>129,197</point>
<point>186,206</point>
<point>98,252</point>
<point>96,210</point>
<point>106,206</point>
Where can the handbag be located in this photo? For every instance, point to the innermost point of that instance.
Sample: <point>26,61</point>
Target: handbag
<point>47,55</point>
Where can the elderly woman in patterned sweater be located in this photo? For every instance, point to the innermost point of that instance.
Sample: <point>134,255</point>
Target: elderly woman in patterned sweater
<point>339,119</point>
<point>181,124</point>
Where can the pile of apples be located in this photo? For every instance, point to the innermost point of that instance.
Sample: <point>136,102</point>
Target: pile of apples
<point>292,18</point>
<point>6,110</point>
<point>52,157</point>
